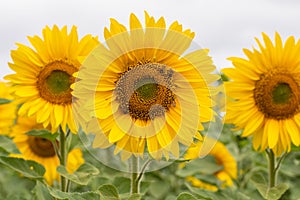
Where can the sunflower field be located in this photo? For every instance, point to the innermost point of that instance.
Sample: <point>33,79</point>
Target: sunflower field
<point>142,113</point>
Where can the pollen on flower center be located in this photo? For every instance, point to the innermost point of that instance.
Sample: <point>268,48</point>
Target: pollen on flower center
<point>54,82</point>
<point>276,95</point>
<point>41,147</point>
<point>144,91</point>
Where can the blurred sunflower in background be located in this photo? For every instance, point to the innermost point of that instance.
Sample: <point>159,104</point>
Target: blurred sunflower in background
<point>42,150</point>
<point>222,157</point>
<point>142,92</point>
<point>8,109</point>
<point>265,92</point>
<point>44,75</point>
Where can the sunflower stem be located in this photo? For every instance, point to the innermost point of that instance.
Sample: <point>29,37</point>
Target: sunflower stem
<point>56,149</point>
<point>140,175</point>
<point>272,168</point>
<point>135,181</point>
<point>63,158</point>
<point>68,185</point>
<point>280,161</point>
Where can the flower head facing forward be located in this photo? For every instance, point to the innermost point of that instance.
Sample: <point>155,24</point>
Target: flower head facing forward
<point>140,93</point>
<point>266,89</point>
<point>44,74</point>
<point>41,150</point>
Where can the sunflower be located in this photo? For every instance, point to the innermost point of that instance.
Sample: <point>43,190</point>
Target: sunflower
<point>265,89</point>
<point>7,109</point>
<point>141,93</point>
<point>222,157</point>
<point>41,150</point>
<point>44,75</point>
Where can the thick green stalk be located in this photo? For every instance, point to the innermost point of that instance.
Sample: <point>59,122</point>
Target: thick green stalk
<point>63,158</point>
<point>272,168</point>
<point>135,181</point>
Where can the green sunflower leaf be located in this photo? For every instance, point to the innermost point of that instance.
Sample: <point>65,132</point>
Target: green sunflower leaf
<point>135,197</point>
<point>159,189</point>
<point>41,192</point>
<point>186,196</point>
<point>202,194</point>
<point>109,192</point>
<point>277,191</point>
<point>14,186</point>
<point>81,176</point>
<point>261,184</point>
<point>122,183</point>
<point>73,195</point>
<point>28,168</point>
<point>171,197</point>
<point>4,101</point>
<point>3,152</point>
<point>205,165</point>
<point>233,194</point>
<point>8,145</point>
<point>46,134</point>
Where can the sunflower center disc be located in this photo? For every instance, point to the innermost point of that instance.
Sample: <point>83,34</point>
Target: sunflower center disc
<point>41,147</point>
<point>144,91</point>
<point>281,93</point>
<point>277,96</point>
<point>54,82</point>
<point>58,82</point>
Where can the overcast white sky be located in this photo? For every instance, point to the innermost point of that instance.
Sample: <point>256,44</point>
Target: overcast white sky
<point>223,26</point>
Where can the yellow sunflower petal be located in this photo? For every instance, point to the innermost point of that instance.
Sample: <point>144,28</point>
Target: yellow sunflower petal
<point>115,134</point>
<point>274,134</point>
<point>257,138</point>
<point>293,131</point>
<point>253,125</point>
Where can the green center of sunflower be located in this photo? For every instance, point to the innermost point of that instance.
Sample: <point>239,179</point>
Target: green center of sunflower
<point>54,82</point>
<point>277,95</point>
<point>144,91</point>
<point>58,82</point>
<point>281,93</point>
<point>41,146</point>
<point>146,88</point>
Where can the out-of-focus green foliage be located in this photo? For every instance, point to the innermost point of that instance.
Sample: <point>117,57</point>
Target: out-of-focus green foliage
<point>22,179</point>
